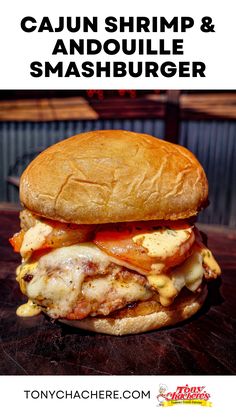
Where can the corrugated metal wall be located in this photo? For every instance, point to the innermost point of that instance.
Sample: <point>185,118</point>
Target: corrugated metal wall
<point>213,142</point>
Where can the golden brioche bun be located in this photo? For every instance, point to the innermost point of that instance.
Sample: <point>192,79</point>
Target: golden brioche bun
<point>114,176</point>
<point>185,306</point>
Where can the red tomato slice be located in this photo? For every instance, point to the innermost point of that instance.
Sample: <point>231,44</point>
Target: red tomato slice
<point>16,240</point>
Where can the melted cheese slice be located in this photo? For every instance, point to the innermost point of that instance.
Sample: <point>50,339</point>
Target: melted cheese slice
<point>22,270</point>
<point>163,243</point>
<point>58,281</point>
<point>189,274</point>
<point>58,276</point>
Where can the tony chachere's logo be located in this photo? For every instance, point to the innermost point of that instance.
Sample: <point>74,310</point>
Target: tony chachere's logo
<point>183,394</point>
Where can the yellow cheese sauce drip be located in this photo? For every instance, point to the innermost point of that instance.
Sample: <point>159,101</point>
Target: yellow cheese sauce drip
<point>209,260</point>
<point>162,243</point>
<point>163,284</point>
<point>28,309</point>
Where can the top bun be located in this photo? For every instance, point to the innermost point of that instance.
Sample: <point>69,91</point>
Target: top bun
<point>114,176</point>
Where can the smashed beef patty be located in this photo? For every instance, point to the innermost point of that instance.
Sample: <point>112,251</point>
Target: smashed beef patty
<point>80,280</point>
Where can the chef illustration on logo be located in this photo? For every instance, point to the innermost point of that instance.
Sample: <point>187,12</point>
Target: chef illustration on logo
<point>161,396</point>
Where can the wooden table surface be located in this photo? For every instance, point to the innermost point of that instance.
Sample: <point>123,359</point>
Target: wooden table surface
<point>203,345</point>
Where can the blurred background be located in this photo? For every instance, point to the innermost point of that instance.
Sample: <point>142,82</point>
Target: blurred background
<point>202,121</point>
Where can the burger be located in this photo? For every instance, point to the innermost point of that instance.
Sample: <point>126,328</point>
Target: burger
<point>107,237</point>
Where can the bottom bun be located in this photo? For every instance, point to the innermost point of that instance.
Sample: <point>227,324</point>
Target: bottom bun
<point>127,321</point>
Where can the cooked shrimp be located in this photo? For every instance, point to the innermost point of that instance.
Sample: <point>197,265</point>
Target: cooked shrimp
<point>46,234</point>
<point>146,244</point>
